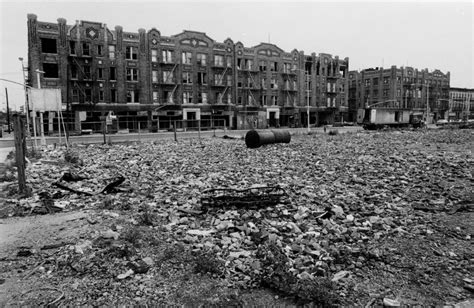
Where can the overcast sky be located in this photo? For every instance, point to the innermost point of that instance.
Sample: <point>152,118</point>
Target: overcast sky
<point>433,35</point>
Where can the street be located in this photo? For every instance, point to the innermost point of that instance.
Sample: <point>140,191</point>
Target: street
<point>99,138</point>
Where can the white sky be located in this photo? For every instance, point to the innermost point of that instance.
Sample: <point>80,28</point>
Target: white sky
<point>433,35</point>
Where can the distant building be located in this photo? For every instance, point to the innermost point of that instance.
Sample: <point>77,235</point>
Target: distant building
<point>148,80</point>
<point>461,104</point>
<point>420,91</point>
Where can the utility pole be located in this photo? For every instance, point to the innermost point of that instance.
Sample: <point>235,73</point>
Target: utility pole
<point>8,112</point>
<point>427,101</point>
<point>307,97</point>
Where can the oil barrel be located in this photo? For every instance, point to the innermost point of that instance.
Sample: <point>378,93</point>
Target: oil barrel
<point>255,139</point>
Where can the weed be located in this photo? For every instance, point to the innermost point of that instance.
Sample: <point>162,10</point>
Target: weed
<point>277,276</point>
<point>333,132</point>
<point>206,262</point>
<point>72,157</point>
<point>147,217</point>
<point>133,235</point>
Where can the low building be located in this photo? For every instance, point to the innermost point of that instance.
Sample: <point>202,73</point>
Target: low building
<point>419,91</point>
<point>150,81</point>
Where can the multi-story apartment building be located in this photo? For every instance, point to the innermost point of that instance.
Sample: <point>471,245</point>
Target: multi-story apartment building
<point>461,104</point>
<point>420,91</point>
<point>149,80</point>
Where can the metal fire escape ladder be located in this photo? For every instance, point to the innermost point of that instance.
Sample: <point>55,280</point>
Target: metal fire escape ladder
<point>176,85</point>
<point>253,84</point>
<point>81,89</point>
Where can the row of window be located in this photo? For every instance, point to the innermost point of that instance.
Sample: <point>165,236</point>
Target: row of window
<point>187,97</point>
<point>131,53</point>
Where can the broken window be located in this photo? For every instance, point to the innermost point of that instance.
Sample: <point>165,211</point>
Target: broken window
<point>112,73</point>
<point>132,96</point>
<point>202,78</point>
<point>75,96</point>
<point>100,50</point>
<point>202,98</point>
<point>308,68</point>
<point>112,51</point>
<point>262,66</point>
<point>73,71</point>
<point>88,95</point>
<point>132,74</point>
<point>249,64</point>
<point>273,83</point>
<point>218,60</point>
<point>167,56</point>
<point>250,82</point>
<point>154,55</point>
<point>274,66</point>
<point>187,98</point>
<point>72,47</point>
<point>86,49</point>
<point>343,70</point>
<point>274,100</point>
<point>100,73</point>
<point>202,59</point>
<point>187,78</point>
<point>113,95</point>
<point>154,76</point>
<point>131,53</point>
<point>186,57</point>
<point>87,72</point>
<point>239,63</point>
<point>239,82</point>
<point>48,45</point>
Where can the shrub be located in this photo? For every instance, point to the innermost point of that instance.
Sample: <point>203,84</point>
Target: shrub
<point>333,132</point>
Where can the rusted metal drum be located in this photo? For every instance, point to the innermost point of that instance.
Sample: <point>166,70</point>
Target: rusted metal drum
<point>255,139</point>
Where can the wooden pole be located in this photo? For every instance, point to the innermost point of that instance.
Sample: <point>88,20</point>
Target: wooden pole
<point>8,112</point>
<point>199,130</point>
<point>174,129</point>
<point>19,131</point>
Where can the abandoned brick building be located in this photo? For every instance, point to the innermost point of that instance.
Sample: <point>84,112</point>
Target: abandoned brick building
<point>147,80</point>
<point>403,88</point>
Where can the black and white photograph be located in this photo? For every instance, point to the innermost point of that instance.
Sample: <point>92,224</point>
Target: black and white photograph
<point>236,153</point>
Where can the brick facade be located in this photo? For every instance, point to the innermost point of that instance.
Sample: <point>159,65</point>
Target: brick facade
<point>406,87</point>
<point>154,79</point>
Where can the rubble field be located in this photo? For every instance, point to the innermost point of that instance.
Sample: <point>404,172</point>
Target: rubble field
<point>359,219</point>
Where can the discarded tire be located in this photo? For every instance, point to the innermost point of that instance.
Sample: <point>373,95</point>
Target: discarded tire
<point>255,139</point>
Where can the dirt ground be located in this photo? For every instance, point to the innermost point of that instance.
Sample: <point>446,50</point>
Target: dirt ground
<point>400,240</point>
